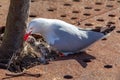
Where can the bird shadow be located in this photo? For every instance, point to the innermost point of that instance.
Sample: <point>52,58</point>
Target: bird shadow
<point>82,58</point>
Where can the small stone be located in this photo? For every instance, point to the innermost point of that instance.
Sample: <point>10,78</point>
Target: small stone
<point>51,10</point>
<point>111,15</point>
<point>109,6</point>
<point>87,14</point>
<point>98,3</point>
<point>118,31</point>
<point>74,18</point>
<point>75,11</point>
<point>97,9</point>
<point>64,15</point>
<point>76,0</point>
<point>67,4</point>
<point>88,24</point>
<point>88,7</point>
<point>101,20</point>
<point>68,77</point>
<point>108,66</point>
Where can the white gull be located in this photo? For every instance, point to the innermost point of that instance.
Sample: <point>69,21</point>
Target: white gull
<point>65,37</point>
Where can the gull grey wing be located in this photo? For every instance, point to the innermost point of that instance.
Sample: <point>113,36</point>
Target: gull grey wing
<point>71,41</point>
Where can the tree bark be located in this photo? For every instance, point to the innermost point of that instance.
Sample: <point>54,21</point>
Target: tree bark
<point>15,27</point>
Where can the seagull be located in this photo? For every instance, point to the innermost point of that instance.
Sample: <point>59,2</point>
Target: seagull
<point>64,37</point>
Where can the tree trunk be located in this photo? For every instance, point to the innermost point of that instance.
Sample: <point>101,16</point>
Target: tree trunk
<point>15,27</point>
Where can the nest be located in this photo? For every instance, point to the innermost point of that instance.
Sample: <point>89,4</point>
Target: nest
<point>35,52</point>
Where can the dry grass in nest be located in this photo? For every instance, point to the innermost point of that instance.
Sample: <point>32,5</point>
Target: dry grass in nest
<point>35,52</point>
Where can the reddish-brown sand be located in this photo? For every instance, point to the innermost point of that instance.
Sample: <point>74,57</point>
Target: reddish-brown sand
<point>100,62</point>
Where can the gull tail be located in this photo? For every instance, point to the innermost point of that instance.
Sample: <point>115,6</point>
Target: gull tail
<point>106,30</point>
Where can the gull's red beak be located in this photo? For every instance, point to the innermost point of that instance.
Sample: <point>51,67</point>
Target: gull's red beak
<point>27,35</point>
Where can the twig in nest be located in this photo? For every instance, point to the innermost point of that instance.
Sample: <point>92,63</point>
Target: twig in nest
<point>12,75</point>
<point>11,61</point>
<point>23,74</point>
<point>14,60</point>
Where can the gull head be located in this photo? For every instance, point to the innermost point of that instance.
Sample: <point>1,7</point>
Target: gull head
<point>35,27</point>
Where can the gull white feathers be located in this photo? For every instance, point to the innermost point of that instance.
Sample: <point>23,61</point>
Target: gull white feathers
<point>63,36</point>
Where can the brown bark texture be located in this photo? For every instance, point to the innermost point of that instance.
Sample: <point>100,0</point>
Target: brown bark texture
<point>15,27</point>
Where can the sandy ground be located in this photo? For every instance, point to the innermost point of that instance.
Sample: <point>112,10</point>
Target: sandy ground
<point>100,62</point>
